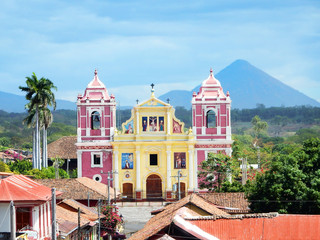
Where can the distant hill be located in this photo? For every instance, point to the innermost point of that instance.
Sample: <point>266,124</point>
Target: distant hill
<point>15,103</point>
<point>248,86</point>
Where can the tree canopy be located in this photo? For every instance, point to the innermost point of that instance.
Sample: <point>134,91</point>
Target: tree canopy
<point>291,185</point>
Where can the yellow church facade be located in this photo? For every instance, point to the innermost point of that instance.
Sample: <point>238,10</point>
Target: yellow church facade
<point>153,153</point>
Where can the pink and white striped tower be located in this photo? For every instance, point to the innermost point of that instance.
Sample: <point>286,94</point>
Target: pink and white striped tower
<point>96,123</point>
<point>211,120</point>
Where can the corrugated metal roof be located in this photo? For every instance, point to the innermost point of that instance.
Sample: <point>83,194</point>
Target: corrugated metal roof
<point>21,188</point>
<point>259,227</point>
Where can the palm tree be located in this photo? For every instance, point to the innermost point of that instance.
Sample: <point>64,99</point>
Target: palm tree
<point>45,119</point>
<point>40,96</point>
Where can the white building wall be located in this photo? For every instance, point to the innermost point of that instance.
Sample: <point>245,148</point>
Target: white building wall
<point>5,218</point>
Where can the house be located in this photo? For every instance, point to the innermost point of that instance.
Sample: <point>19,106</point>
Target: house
<point>170,220</point>
<point>84,190</point>
<point>67,219</point>
<point>152,153</point>
<point>65,149</point>
<point>32,206</point>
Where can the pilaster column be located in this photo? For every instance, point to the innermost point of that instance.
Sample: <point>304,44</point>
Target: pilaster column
<point>138,177</point>
<point>169,184</point>
<point>168,123</point>
<point>116,168</point>
<point>79,163</point>
<point>195,167</point>
<point>88,118</point>
<point>137,122</point>
<point>191,172</point>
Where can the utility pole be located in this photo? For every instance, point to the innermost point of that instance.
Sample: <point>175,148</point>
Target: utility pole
<point>179,189</point>
<point>244,170</point>
<point>13,221</point>
<point>79,233</point>
<point>53,203</point>
<point>109,182</point>
<point>258,157</point>
<point>68,160</point>
<point>99,206</point>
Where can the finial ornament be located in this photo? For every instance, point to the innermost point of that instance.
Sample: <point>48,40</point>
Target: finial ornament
<point>95,72</point>
<point>137,101</point>
<point>168,100</point>
<point>152,85</point>
<point>211,71</point>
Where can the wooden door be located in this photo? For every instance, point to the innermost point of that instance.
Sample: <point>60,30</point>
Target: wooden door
<point>182,190</point>
<point>154,187</point>
<point>127,191</point>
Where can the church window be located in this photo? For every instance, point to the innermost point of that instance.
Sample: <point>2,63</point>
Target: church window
<point>211,119</point>
<point>95,120</point>
<point>96,160</point>
<point>153,159</point>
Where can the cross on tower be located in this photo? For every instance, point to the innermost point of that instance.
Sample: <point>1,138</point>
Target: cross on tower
<point>168,100</point>
<point>137,101</point>
<point>152,85</point>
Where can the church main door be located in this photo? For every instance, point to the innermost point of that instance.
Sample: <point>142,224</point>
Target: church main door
<point>154,187</point>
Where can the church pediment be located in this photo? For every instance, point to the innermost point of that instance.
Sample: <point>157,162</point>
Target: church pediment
<point>153,102</point>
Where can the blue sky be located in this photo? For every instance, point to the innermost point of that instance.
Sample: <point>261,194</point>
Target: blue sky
<point>170,43</point>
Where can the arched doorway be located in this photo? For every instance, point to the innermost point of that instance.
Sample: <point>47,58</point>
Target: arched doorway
<point>154,187</point>
<point>127,191</point>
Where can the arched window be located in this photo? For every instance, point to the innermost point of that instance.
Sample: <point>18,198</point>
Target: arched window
<point>95,120</point>
<point>211,119</point>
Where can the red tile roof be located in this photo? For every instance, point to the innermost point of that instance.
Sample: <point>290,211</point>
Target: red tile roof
<point>67,216</point>
<point>64,148</point>
<point>232,202</point>
<point>78,188</point>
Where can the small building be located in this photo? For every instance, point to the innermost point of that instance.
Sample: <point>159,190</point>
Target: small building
<point>32,206</point>
<point>65,149</point>
<point>67,219</point>
<point>169,222</point>
<point>84,190</point>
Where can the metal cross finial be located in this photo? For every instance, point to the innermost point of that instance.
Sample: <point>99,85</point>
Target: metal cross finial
<point>152,85</point>
<point>137,101</point>
<point>211,70</point>
<point>95,72</point>
<point>168,100</point>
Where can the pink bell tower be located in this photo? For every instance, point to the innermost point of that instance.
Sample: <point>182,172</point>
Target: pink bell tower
<point>96,123</point>
<point>211,120</point>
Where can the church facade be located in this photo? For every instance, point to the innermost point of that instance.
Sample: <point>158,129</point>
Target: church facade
<point>152,155</point>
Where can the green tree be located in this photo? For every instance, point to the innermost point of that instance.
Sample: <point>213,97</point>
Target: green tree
<point>258,126</point>
<point>291,185</point>
<point>21,167</point>
<point>40,96</point>
<point>214,171</point>
<point>4,167</point>
<point>47,173</point>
